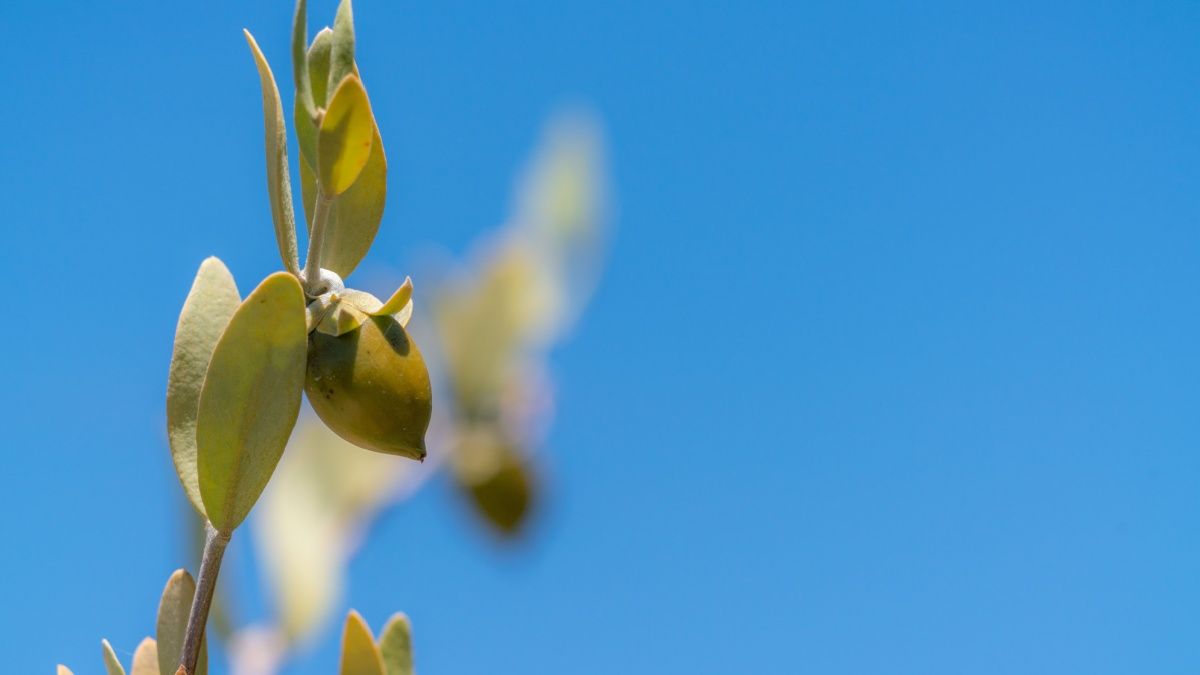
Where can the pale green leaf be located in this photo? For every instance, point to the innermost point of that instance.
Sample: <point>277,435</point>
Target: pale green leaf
<point>345,137</point>
<point>171,626</point>
<point>360,654</point>
<point>300,59</point>
<point>145,658</point>
<point>319,54</point>
<point>209,305</point>
<point>112,665</point>
<point>396,646</point>
<point>310,518</point>
<point>341,59</point>
<point>250,399</point>
<point>317,67</point>
<point>279,187</point>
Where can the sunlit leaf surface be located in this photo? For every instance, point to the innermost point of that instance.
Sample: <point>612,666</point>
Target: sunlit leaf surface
<point>250,399</point>
<point>209,305</point>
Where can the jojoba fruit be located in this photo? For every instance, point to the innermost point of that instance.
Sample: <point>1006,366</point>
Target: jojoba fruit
<point>371,387</point>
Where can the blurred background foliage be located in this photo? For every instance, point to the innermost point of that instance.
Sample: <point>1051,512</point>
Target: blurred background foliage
<point>489,325</point>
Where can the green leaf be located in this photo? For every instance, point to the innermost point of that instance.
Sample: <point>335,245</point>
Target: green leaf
<point>319,54</point>
<point>171,627</point>
<point>360,654</point>
<point>300,60</point>
<point>112,665</point>
<point>279,187</point>
<point>345,137</point>
<point>341,59</point>
<point>355,214</point>
<point>317,67</point>
<point>396,645</point>
<point>209,305</point>
<point>145,659</point>
<point>250,399</point>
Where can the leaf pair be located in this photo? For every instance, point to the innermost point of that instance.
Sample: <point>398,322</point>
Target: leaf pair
<point>160,656</point>
<point>338,140</point>
<point>234,389</point>
<point>361,655</point>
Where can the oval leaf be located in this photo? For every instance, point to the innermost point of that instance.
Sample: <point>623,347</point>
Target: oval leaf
<point>112,665</point>
<point>171,627</point>
<point>279,186</point>
<point>209,305</point>
<point>145,659</point>
<point>360,654</point>
<point>396,646</point>
<point>250,399</point>
<point>345,138</point>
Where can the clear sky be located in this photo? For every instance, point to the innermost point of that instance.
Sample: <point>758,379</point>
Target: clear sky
<point>893,369</point>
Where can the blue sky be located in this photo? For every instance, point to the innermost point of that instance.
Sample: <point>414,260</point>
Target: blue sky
<point>893,368</point>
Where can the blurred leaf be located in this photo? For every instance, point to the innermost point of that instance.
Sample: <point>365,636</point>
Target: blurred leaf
<point>63,670</point>
<point>341,59</point>
<point>145,658</point>
<point>497,480</point>
<point>396,645</point>
<point>250,399</point>
<point>279,187</point>
<point>211,302</point>
<point>311,517</point>
<point>304,96</point>
<point>171,626</point>
<point>112,665</point>
<point>345,137</point>
<point>399,300</point>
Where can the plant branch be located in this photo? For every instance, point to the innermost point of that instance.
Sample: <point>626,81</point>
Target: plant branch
<point>316,241</point>
<point>210,567</point>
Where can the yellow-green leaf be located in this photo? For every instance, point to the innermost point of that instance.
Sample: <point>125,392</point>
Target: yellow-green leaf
<point>112,665</point>
<point>341,59</point>
<point>401,299</point>
<point>360,654</point>
<point>250,399</point>
<point>145,658</point>
<point>396,645</point>
<point>209,305</point>
<point>355,214</point>
<point>345,137</point>
<point>279,187</point>
<point>171,626</point>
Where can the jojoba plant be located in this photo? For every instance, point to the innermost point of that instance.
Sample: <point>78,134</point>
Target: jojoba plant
<point>239,365</point>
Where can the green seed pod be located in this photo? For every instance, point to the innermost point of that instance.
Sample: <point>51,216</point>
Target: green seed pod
<point>496,479</point>
<point>370,386</point>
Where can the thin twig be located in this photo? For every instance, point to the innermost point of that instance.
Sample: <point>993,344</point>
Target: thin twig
<point>210,567</point>
<point>316,241</point>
